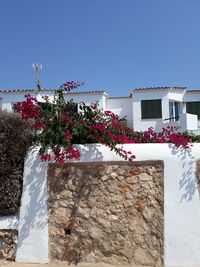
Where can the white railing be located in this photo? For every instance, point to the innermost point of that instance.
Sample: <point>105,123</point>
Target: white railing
<point>185,122</point>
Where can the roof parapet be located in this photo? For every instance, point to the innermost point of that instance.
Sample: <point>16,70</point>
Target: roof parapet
<point>159,88</point>
<point>51,90</point>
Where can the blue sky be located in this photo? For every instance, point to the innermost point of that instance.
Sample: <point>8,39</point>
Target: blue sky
<point>111,45</point>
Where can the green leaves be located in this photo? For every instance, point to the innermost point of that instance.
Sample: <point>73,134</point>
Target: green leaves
<point>59,124</point>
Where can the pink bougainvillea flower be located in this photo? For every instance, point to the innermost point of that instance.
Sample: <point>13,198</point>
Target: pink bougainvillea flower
<point>63,126</point>
<point>45,157</point>
<point>68,135</point>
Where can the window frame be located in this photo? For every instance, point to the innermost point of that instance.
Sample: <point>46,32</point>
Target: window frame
<point>174,110</point>
<point>193,103</point>
<point>149,110</point>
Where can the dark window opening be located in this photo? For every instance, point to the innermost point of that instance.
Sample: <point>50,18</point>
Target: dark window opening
<point>151,109</point>
<point>193,108</point>
<point>174,111</point>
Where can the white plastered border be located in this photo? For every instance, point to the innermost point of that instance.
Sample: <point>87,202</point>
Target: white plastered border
<point>181,201</point>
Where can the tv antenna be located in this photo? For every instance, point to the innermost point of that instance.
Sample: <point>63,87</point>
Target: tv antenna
<point>37,68</point>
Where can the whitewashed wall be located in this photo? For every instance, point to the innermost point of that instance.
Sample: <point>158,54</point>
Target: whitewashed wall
<point>130,107</point>
<point>9,222</point>
<point>176,95</point>
<point>140,124</point>
<point>88,98</point>
<point>181,202</point>
<point>122,107</point>
<point>9,98</point>
<point>186,122</point>
<point>190,97</point>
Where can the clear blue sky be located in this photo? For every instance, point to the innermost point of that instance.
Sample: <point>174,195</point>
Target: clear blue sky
<point>111,45</point>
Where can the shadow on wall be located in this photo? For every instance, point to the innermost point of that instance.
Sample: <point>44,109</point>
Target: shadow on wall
<point>9,222</point>
<point>159,125</point>
<point>84,189</point>
<point>90,152</point>
<point>188,182</point>
<point>33,212</point>
<point>163,124</point>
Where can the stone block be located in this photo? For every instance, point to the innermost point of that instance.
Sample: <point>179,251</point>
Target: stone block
<point>106,213</point>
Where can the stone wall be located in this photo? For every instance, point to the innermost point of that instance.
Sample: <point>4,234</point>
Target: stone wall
<point>8,240</point>
<point>198,174</point>
<point>109,212</point>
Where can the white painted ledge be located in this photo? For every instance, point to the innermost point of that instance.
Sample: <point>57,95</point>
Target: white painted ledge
<point>9,222</point>
<point>32,243</point>
<point>181,201</point>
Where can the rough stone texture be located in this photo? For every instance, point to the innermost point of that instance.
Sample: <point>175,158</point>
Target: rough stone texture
<point>198,174</point>
<point>108,212</point>
<point>8,242</point>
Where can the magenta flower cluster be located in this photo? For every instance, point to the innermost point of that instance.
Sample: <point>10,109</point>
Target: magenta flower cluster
<point>59,126</point>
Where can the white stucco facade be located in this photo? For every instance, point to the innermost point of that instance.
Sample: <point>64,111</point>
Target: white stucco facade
<point>173,105</point>
<point>181,202</point>
<point>121,106</point>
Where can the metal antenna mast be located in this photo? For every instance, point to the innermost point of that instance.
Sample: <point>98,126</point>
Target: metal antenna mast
<point>37,69</point>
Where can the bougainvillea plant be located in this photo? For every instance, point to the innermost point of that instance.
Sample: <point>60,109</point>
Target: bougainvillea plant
<point>59,125</point>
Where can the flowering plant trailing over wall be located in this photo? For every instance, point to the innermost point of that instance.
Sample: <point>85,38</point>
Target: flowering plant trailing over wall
<point>59,126</point>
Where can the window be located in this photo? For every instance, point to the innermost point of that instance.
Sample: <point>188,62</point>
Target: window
<point>193,108</point>
<point>174,111</point>
<point>151,109</point>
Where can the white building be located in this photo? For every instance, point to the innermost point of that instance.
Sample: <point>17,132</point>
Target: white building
<point>155,107</point>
